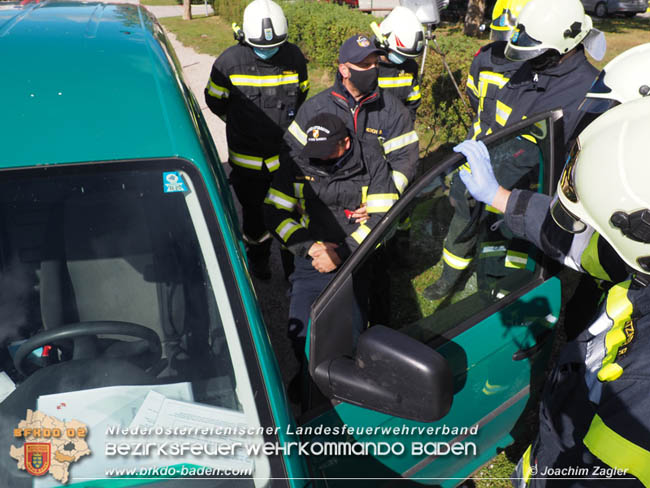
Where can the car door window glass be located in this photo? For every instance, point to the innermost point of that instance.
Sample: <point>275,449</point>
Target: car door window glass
<point>492,262</point>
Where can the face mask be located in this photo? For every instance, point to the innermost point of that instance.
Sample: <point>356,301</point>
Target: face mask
<point>364,81</point>
<point>396,58</point>
<point>266,52</point>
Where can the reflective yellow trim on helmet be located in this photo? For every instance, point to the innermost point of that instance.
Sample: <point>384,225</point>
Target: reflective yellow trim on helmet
<point>616,451</point>
<point>454,261</point>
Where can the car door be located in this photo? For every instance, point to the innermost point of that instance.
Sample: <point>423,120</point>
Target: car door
<point>459,370</point>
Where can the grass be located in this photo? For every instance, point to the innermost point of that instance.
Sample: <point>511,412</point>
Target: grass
<point>211,35</point>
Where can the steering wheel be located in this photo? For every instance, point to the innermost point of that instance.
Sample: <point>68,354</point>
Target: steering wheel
<point>84,334</point>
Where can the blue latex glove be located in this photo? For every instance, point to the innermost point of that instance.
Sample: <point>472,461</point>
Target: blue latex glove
<point>478,175</point>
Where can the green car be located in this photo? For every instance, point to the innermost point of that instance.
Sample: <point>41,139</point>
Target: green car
<point>132,348</point>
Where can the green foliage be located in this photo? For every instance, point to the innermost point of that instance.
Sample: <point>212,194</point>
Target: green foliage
<point>320,28</point>
<point>441,110</point>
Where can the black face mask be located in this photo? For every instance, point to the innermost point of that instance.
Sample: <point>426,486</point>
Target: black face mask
<point>545,61</point>
<point>364,81</point>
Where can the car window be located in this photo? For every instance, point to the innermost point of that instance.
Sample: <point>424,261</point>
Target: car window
<point>444,233</point>
<point>92,246</point>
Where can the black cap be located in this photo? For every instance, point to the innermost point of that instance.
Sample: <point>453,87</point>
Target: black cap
<point>356,49</point>
<point>324,131</point>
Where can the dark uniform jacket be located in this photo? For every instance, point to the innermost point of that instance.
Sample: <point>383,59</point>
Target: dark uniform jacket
<point>402,81</point>
<point>491,61</point>
<point>508,97</point>
<point>259,99</point>
<point>378,116</point>
<point>594,413</point>
<point>308,203</point>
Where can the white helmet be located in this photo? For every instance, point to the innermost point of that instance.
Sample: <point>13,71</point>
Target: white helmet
<point>402,32</point>
<point>548,24</point>
<point>623,79</point>
<point>605,183</point>
<point>264,24</point>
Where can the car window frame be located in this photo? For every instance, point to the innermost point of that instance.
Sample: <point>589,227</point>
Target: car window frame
<point>545,269</point>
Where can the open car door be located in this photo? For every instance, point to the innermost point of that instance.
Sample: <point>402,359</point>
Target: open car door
<point>399,365</point>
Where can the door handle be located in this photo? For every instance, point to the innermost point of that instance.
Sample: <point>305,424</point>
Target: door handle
<point>531,351</point>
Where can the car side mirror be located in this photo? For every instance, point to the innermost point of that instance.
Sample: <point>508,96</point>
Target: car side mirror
<point>391,373</point>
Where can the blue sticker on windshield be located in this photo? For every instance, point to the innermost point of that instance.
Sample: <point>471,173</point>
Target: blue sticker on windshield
<point>173,182</point>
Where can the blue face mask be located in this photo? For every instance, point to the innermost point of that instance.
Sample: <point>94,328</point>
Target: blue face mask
<point>266,53</point>
<point>396,58</point>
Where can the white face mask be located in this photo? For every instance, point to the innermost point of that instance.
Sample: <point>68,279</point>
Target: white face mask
<point>266,53</point>
<point>396,58</point>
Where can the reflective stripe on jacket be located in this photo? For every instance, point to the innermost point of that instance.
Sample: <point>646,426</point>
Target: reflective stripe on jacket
<point>307,203</point>
<point>259,99</point>
<point>595,404</point>
<point>402,81</point>
<point>377,117</point>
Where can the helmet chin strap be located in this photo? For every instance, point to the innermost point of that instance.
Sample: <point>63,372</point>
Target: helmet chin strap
<point>547,60</point>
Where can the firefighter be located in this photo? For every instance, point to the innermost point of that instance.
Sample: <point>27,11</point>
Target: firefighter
<point>593,415</point>
<point>257,87</point>
<point>309,209</point>
<point>623,79</point>
<point>368,113</point>
<point>403,40</point>
<point>550,43</point>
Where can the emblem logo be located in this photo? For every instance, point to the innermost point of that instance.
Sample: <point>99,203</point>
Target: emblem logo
<point>315,134</point>
<point>37,458</point>
<point>268,34</point>
<point>363,41</point>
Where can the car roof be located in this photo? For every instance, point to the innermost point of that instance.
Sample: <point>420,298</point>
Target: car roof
<point>89,82</point>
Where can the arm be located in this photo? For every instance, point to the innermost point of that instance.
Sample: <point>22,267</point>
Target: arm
<point>280,212</point>
<point>414,98</point>
<point>303,77</point>
<point>380,196</point>
<point>400,144</point>
<point>218,90</point>
<point>525,210</point>
<point>472,82</point>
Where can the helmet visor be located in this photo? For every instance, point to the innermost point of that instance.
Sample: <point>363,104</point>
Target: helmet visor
<point>567,183</point>
<point>597,105</point>
<point>500,34</point>
<point>522,47</point>
<point>565,219</point>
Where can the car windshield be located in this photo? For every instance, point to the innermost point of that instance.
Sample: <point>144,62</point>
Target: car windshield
<point>115,313</point>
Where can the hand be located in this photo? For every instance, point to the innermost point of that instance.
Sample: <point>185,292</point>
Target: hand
<point>318,247</point>
<point>327,259</point>
<point>360,215</point>
<point>478,175</point>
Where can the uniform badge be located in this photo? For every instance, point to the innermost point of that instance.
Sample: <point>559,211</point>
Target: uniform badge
<point>268,34</point>
<point>315,134</point>
<point>37,458</point>
<point>363,41</point>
